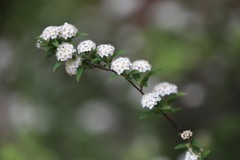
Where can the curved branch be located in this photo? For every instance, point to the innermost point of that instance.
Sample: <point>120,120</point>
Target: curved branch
<point>168,117</point>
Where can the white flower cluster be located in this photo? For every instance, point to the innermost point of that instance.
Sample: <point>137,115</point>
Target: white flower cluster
<point>50,32</point>
<point>186,134</point>
<point>105,50</point>
<point>121,64</point>
<point>86,46</point>
<point>141,66</point>
<point>149,100</point>
<point>68,31</point>
<point>160,90</point>
<point>65,51</point>
<point>65,31</point>
<point>72,65</point>
<point>165,88</point>
<point>190,155</point>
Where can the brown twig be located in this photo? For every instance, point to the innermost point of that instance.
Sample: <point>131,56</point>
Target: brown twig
<point>168,117</point>
<point>106,69</point>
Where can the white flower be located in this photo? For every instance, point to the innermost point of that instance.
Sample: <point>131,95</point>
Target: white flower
<point>38,44</point>
<point>190,155</point>
<point>68,31</point>
<point>121,64</point>
<point>165,88</point>
<point>141,66</point>
<point>186,134</point>
<point>50,32</point>
<point>86,46</point>
<point>65,51</point>
<point>72,65</point>
<point>105,50</point>
<point>150,100</point>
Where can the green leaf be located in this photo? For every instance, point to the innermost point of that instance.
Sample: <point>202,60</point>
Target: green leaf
<point>205,154</point>
<point>180,94</point>
<point>196,144</point>
<point>55,43</point>
<point>133,72</point>
<point>136,77</point>
<point>145,78</point>
<point>166,108</point>
<point>181,146</point>
<point>96,60</point>
<point>56,65</point>
<point>79,72</point>
<point>117,53</point>
<point>82,34</point>
<point>174,109</point>
<point>49,53</point>
<point>114,75</point>
<point>146,114</point>
<point>172,97</point>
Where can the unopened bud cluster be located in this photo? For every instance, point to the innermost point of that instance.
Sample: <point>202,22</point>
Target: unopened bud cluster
<point>186,134</point>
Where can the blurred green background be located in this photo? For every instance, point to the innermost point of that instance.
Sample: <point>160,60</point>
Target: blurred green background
<point>49,116</point>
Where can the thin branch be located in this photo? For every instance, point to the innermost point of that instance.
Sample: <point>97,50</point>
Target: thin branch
<point>106,69</point>
<point>140,90</point>
<point>168,117</point>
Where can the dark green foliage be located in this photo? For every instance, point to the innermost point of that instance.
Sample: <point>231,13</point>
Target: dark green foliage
<point>56,65</point>
<point>79,72</point>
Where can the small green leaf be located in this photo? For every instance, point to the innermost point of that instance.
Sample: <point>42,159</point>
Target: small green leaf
<point>180,94</point>
<point>137,77</point>
<point>79,72</point>
<point>82,34</point>
<point>117,53</point>
<point>133,72</point>
<point>196,144</point>
<point>49,53</point>
<point>114,75</point>
<point>146,114</point>
<point>56,65</point>
<point>174,109</point>
<point>166,108</point>
<point>205,154</point>
<point>172,97</point>
<point>181,146</point>
<point>96,60</point>
<point>55,43</point>
<point>145,78</point>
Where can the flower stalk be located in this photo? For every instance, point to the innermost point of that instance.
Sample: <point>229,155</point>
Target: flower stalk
<point>56,40</point>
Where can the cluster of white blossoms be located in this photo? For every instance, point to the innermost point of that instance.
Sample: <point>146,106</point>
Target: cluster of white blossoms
<point>71,65</point>
<point>186,134</point>
<point>165,88</point>
<point>105,50</point>
<point>161,90</point>
<point>68,31</point>
<point>190,155</point>
<point>65,31</point>
<point>65,51</point>
<point>141,66</point>
<point>86,46</point>
<point>56,40</point>
<point>149,100</point>
<point>120,65</point>
<point>50,32</point>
